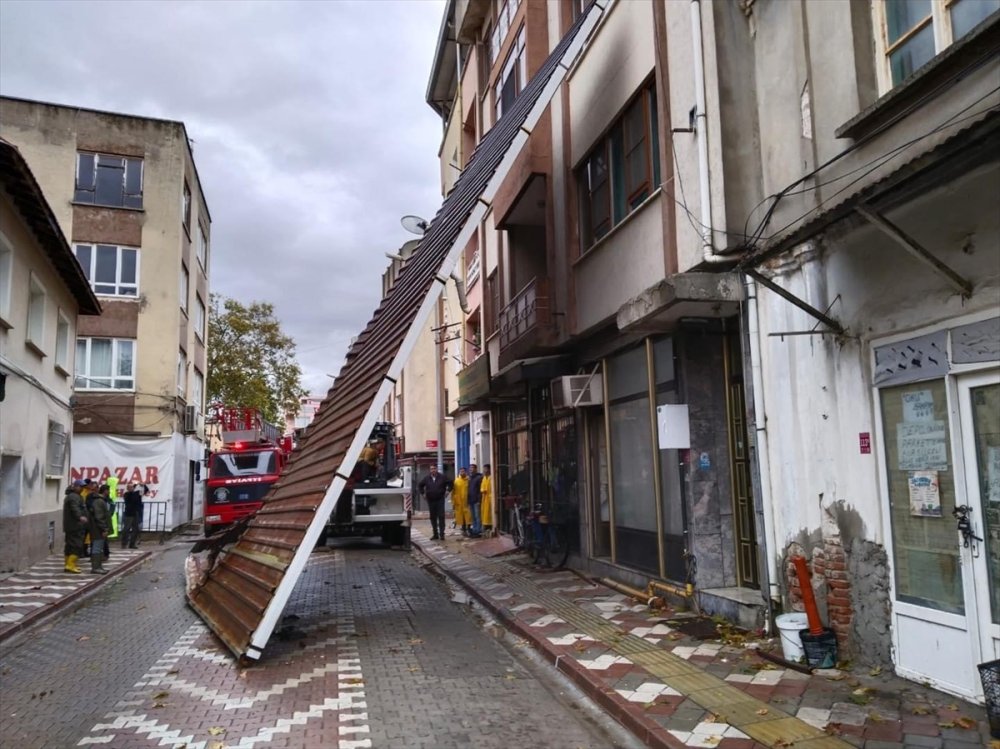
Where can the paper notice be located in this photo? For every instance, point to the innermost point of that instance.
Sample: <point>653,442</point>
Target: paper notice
<point>922,446</point>
<point>918,406</point>
<point>925,494</point>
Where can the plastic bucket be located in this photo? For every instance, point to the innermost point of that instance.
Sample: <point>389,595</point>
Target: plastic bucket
<point>789,626</point>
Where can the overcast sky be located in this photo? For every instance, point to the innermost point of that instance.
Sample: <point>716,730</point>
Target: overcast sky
<point>310,130</point>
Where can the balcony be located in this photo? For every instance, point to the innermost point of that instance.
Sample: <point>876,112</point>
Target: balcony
<point>526,327</point>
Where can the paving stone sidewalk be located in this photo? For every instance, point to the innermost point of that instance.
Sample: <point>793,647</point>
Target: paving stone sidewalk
<point>676,691</point>
<point>31,595</point>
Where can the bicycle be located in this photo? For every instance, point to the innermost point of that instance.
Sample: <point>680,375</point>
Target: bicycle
<point>550,540</point>
<point>517,520</point>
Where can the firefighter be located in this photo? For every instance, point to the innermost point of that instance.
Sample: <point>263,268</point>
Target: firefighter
<point>74,526</point>
<point>460,501</point>
<point>487,489</point>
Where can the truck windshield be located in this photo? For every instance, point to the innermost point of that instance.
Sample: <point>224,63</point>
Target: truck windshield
<point>245,463</point>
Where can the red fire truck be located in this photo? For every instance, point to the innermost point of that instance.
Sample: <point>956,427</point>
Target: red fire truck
<point>252,456</point>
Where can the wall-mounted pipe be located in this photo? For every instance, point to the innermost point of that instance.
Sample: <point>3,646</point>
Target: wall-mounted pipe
<point>701,136</point>
<point>463,300</point>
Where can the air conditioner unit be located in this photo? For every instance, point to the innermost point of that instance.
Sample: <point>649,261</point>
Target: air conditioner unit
<point>576,391</point>
<point>190,419</point>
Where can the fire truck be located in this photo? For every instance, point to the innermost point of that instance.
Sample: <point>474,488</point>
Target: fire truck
<point>252,456</point>
<point>377,500</point>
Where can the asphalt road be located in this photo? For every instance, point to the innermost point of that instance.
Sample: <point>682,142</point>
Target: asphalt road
<point>375,650</point>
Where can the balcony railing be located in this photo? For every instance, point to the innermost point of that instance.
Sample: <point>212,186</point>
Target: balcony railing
<point>529,311</point>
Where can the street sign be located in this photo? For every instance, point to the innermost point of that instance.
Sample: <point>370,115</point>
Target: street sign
<point>430,444</point>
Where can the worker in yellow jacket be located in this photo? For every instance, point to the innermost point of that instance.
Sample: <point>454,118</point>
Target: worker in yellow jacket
<point>460,501</point>
<point>487,489</point>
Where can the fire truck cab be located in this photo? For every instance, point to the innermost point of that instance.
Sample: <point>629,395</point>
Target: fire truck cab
<point>377,499</point>
<point>240,473</point>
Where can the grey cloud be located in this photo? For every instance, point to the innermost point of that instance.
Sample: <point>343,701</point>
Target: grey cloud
<point>309,127</point>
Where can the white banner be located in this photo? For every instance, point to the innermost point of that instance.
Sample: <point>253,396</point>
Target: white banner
<point>145,460</point>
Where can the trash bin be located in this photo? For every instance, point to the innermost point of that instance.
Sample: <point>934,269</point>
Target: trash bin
<point>990,674</point>
<point>789,626</point>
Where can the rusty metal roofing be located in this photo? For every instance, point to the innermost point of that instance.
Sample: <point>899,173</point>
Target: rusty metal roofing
<point>243,595</point>
<point>29,200</point>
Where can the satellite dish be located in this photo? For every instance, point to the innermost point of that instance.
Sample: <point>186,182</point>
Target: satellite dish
<point>414,224</point>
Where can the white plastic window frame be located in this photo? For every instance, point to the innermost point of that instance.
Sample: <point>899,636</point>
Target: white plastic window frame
<point>200,317</point>
<point>118,284</point>
<point>203,248</point>
<point>181,373</point>
<point>184,288</point>
<point>940,19</point>
<point>6,280</point>
<point>34,317</point>
<point>64,334</point>
<point>83,367</point>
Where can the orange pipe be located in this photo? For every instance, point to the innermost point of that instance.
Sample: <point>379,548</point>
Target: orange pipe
<point>808,599</point>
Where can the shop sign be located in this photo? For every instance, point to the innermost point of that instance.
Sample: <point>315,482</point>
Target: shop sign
<point>474,382</point>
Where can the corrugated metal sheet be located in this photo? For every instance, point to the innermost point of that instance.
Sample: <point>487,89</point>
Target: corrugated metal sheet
<point>243,596</point>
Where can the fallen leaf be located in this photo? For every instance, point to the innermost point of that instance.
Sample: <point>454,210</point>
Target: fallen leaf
<point>763,711</point>
<point>953,706</point>
<point>947,724</point>
<point>161,695</point>
<point>920,710</point>
<point>995,744</point>
<point>962,722</point>
<point>83,638</point>
<point>833,729</point>
<point>216,745</point>
<point>875,718</point>
<point>141,607</point>
<point>648,705</point>
<point>416,641</point>
<point>875,671</point>
<point>173,671</point>
<point>413,669</point>
<point>216,730</point>
<point>510,677</point>
<point>159,704</point>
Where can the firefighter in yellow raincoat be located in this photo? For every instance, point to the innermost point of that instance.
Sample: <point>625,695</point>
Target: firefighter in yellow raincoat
<point>460,501</point>
<point>487,489</point>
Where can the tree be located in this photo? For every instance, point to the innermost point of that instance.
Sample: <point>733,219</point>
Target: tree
<point>251,362</point>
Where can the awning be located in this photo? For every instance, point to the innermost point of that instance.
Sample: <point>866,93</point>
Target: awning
<point>243,595</point>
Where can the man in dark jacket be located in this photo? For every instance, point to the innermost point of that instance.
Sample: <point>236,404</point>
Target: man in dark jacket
<point>132,515</point>
<point>434,486</point>
<point>97,512</point>
<point>74,526</point>
<point>475,501</point>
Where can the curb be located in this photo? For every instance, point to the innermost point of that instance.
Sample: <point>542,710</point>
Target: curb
<point>646,730</point>
<point>38,616</point>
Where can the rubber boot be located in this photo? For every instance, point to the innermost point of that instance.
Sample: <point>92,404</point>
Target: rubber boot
<point>70,565</point>
<point>95,563</point>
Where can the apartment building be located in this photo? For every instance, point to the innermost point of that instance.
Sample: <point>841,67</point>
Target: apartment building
<point>741,303</point>
<point>42,294</point>
<point>126,192</point>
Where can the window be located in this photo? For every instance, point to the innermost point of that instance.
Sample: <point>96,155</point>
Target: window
<point>492,303</point>
<point>35,331</point>
<point>182,368</point>
<point>202,248</point>
<point>55,456</point>
<point>199,318</point>
<point>103,179</point>
<point>186,207</point>
<point>6,279</point>
<point>506,10</point>
<point>62,342</point>
<point>184,288</point>
<point>197,389</point>
<point>621,171</point>
<point>105,364</point>
<point>914,31</point>
<point>513,78</point>
<point>111,270</point>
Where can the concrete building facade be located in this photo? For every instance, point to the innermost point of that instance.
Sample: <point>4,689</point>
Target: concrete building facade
<point>742,304</point>
<point>126,193</point>
<point>42,293</point>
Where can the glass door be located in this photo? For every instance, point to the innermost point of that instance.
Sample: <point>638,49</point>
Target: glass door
<point>979,401</point>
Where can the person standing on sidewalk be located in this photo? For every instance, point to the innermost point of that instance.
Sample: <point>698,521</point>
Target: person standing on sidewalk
<point>475,501</point>
<point>460,501</point>
<point>132,515</point>
<point>433,487</point>
<point>486,488</point>
<point>97,513</point>
<point>74,526</point>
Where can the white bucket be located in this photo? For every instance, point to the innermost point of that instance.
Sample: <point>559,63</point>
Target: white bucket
<point>789,626</point>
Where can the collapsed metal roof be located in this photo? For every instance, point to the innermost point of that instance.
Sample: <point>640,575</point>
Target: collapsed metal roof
<point>242,597</point>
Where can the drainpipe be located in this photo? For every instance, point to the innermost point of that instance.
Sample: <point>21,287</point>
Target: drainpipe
<point>761,441</point>
<point>701,135</point>
<point>463,301</point>
<point>438,387</point>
